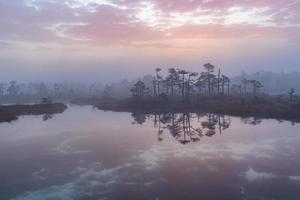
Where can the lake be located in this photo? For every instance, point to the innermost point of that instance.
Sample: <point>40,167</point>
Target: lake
<point>85,154</point>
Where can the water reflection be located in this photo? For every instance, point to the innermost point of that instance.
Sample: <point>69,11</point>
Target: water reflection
<point>252,120</point>
<point>182,126</point>
<point>47,117</point>
<point>88,154</point>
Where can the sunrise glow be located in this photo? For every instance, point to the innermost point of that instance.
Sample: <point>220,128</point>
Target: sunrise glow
<point>160,32</point>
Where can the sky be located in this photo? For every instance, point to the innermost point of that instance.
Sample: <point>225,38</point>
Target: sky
<point>107,40</point>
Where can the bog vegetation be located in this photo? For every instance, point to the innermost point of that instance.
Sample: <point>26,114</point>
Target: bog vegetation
<point>264,94</point>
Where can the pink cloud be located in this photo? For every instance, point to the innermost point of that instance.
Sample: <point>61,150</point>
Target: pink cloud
<point>237,31</point>
<point>119,23</point>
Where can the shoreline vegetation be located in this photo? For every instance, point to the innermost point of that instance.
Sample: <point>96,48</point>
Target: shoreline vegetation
<point>261,107</point>
<point>177,90</point>
<point>210,91</point>
<point>11,112</point>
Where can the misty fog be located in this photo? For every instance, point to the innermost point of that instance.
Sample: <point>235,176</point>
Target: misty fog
<point>16,91</point>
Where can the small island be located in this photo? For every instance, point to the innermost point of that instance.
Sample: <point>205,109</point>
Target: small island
<point>267,107</point>
<point>11,112</point>
<point>183,91</point>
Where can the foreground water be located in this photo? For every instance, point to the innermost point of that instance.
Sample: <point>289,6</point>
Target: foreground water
<point>89,154</point>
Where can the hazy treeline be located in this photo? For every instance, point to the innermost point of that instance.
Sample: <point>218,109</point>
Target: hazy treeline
<point>210,81</point>
<point>174,82</point>
<point>263,82</point>
<point>15,92</point>
<point>274,83</point>
<point>181,84</point>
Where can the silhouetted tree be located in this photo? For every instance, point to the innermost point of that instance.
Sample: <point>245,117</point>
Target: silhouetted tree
<point>245,83</point>
<point>41,89</point>
<point>218,81</point>
<point>236,89</point>
<point>201,82</point>
<point>225,82</point>
<point>172,78</point>
<point>209,70</point>
<point>292,94</point>
<point>46,100</point>
<point>256,85</point>
<point>157,82</point>
<point>13,88</point>
<point>2,88</point>
<point>138,90</point>
<point>182,85</point>
<point>190,81</point>
<point>106,94</point>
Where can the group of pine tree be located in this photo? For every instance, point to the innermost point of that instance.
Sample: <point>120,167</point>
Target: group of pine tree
<point>184,85</point>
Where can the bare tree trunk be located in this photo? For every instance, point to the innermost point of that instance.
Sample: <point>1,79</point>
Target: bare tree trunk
<point>228,88</point>
<point>188,89</point>
<point>219,74</point>
<point>209,85</point>
<point>158,87</point>
<point>154,88</point>
<point>245,88</point>
<point>183,86</point>
<point>172,88</point>
<point>223,88</point>
<point>219,123</point>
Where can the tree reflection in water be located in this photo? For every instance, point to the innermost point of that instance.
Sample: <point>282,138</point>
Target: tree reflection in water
<point>139,118</point>
<point>185,127</point>
<point>251,120</point>
<point>46,117</point>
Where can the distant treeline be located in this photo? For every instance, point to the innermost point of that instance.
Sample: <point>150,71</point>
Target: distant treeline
<point>174,82</point>
<point>179,83</point>
<point>210,81</point>
<point>15,92</point>
<point>274,83</point>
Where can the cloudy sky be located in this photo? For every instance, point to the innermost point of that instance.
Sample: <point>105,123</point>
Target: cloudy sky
<point>112,39</point>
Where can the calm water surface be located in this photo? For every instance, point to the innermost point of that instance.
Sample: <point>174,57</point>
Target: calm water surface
<point>89,154</point>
